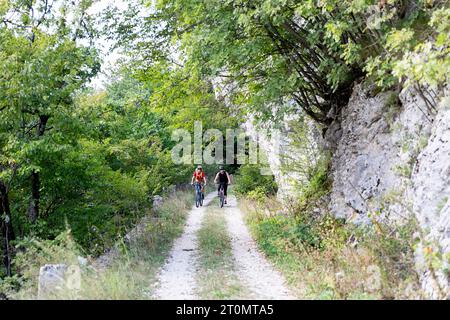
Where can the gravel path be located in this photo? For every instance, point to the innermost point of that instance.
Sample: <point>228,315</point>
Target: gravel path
<point>176,280</point>
<point>177,277</point>
<point>253,269</point>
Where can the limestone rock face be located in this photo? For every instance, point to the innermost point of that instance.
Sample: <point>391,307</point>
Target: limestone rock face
<point>393,157</point>
<point>364,156</point>
<point>429,194</point>
<point>278,146</point>
<point>390,155</point>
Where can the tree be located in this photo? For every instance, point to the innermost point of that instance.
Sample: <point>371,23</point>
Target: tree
<point>6,229</point>
<point>273,57</point>
<point>43,66</point>
<point>268,52</point>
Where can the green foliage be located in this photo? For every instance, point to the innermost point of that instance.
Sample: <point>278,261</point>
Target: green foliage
<point>428,62</point>
<point>267,55</point>
<point>391,108</point>
<point>251,181</point>
<point>265,52</point>
<point>316,186</point>
<point>258,194</point>
<point>322,257</point>
<point>404,170</point>
<point>127,277</point>
<point>303,231</point>
<point>415,49</point>
<point>99,156</point>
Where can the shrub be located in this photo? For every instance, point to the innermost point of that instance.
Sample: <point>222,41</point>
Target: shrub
<point>318,185</point>
<point>250,180</point>
<point>130,272</point>
<point>322,257</point>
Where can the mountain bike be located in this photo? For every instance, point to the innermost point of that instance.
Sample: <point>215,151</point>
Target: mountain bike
<point>221,195</point>
<point>198,195</point>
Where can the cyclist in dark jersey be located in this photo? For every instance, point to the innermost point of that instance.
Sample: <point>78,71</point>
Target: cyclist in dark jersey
<point>223,179</point>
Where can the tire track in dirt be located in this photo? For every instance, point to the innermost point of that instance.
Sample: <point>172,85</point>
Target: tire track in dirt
<point>253,269</point>
<point>176,280</point>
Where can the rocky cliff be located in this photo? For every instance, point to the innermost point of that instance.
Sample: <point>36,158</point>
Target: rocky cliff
<point>390,160</point>
<point>391,157</point>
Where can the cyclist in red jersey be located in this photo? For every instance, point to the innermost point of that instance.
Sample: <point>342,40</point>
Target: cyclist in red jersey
<point>199,177</point>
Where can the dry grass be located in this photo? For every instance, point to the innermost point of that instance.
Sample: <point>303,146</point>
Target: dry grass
<point>321,260</point>
<point>131,272</point>
<point>217,279</point>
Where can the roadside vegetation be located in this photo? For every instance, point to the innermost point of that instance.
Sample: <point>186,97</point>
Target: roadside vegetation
<point>79,166</point>
<point>323,257</point>
<point>128,272</point>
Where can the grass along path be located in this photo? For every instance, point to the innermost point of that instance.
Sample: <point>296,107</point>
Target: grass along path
<point>255,272</point>
<point>126,272</point>
<point>135,266</point>
<point>216,276</point>
<point>317,260</point>
<point>176,279</point>
<point>216,258</point>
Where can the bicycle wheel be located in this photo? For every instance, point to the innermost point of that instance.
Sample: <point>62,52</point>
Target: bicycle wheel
<point>221,198</point>
<point>197,199</point>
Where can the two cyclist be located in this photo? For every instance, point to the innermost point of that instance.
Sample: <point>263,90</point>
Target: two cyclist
<point>222,179</point>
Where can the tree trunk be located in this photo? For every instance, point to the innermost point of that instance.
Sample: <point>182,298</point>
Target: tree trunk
<point>6,229</point>
<point>33,209</point>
